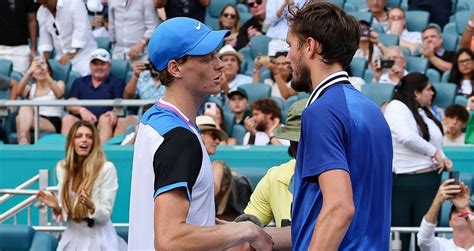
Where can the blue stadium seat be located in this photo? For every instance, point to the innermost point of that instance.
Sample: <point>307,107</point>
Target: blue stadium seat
<point>358,66</point>
<point>238,133</point>
<point>417,64</point>
<point>360,15</point>
<point>6,67</point>
<point>407,51</point>
<point>450,28</point>
<point>388,39</point>
<point>215,7</point>
<point>16,75</point>
<point>461,18</point>
<point>378,93</point>
<point>358,4</point>
<point>242,8</point>
<point>247,53</point>
<point>445,76</point>
<point>417,20</point>
<point>216,100</point>
<point>257,91</point>
<point>460,100</point>
<point>465,5</point>
<point>60,72</point>
<point>72,77</point>
<point>349,7</point>
<point>282,104</point>
<point>259,46</point>
<point>339,3</point>
<point>450,42</point>
<point>122,232</point>
<point>104,43</point>
<point>22,237</point>
<point>368,76</point>
<point>116,140</point>
<point>378,28</point>
<point>52,139</point>
<point>265,73</point>
<point>291,100</point>
<point>302,95</point>
<point>433,75</point>
<point>445,94</point>
<point>211,22</point>
<point>229,122</point>
<point>244,17</point>
<point>120,68</point>
<point>393,3</point>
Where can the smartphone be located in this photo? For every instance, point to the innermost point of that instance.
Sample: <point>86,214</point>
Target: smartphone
<point>147,65</point>
<point>210,108</point>
<point>384,64</point>
<point>364,31</point>
<point>454,175</point>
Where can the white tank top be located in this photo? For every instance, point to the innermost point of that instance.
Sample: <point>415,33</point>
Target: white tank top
<point>48,111</point>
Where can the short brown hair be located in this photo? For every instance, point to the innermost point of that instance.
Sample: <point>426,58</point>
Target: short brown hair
<point>267,106</point>
<point>336,32</point>
<point>165,77</point>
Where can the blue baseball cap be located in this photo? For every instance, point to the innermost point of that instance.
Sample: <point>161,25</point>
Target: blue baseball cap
<point>181,36</point>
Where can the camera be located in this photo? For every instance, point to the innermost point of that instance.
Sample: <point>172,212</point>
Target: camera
<point>384,64</point>
<point>364,31</point>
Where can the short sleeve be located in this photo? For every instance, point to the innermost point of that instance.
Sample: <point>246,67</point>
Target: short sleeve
<point>177,162</point>
<point>74,92</point>
<point>324,137</point>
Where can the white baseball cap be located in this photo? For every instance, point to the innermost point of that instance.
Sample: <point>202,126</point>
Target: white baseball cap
<point>100,54</point>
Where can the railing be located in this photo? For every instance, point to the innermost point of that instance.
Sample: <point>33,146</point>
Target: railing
<point>118,105</point>
<point>42,179</point>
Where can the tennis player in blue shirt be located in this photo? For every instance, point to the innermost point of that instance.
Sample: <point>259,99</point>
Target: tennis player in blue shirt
<point>343,177</point>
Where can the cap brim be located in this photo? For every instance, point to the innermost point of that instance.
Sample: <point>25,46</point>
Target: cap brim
<point>209,43</point>
<point>282,133</point>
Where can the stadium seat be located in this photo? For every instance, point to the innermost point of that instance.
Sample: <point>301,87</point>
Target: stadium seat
<point>257,91</point>
<point>378,93</point>
<point>5,94</point>
<point>393,3</point>
<point>72,77</point>
<point>259,46</point>
<point>406,51</point>
<point>120,68</point>
<point>16,75</point>
<point>339,3</point>
<point>378,28</point>
<point>460,19</point>
<point>358,66</point>
<point>433,75</point>
<point>388,39</point>
<point>291,100</point>
<point>116,140</point>
<point>265,73</point>
<point>211,22</point>
<point>238,133</point>
<point>417,64</point>
<point>359,15</point>
<point>247,53</point>
<point>122,232</point>
<point>60,72</point>
<point>450,42</point>
<point>215,7</point>
<point>302,95</point>
<point>445,76</point>
<point>6,67</point>
<point>358,4</point>
<point>282,104</point>
<point>22,237</point>
<point>244,17</point>
<point>349,7</point>
<point>228,121</point>
<point>450,28</point>
<point>445,94</point>
<point>52,139</point>
<point>242,8</point>
<point>104,43</point>
<point>417,20</point>
<point>460,100</point>
<point>368,76</point>
<point>465,5</point>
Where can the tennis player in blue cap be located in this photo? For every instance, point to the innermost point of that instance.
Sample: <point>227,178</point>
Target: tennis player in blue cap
<point>172,194</point>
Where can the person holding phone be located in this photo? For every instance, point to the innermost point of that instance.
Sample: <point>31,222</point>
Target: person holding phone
<point>144,83</point>
<point>460,219</point>
<point>391,68</point>
<point>369,44</point>
<point>418,157</point>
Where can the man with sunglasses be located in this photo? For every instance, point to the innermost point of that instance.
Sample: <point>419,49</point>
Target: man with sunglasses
<point>172,195</point>
<point>253,26</point>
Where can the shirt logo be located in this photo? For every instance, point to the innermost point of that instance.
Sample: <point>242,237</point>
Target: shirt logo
<point>198,27</point>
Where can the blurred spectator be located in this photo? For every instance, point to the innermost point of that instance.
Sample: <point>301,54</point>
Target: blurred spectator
<point>266,117</point>
<point>439,10</point>
<point>131,24</point>
<point>460,219</point>
<point>393,74</point>
<point>64,26</point>
<point>397,26</point>
<point>44,88</point>
<point>238,103</point>
<point>439,58</point>
<point>8,84</point>
<point>275,24</point>
<point>253,26</point>
<point>99,13</point>
<point>368,44</point>
<point>273,196</point>
<point>280,75</point>
<point>455,121</point>
<point>184,8</point>
<point>143,83</point>
<point>211,135</point>
<point>418,157</point>
<point>467,39</point>
<point>379,11</point>
<point>87,187</point>
<point>231,79</point>
<point>99,85</point>
<point>218,116</point>
<point>229,19</point>
<point>17,26</point>
<point>462,72</point>
<point>470,104</point>
<point>437,111</point>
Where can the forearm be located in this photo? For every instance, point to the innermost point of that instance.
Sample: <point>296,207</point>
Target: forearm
<point>331,227</point>
<point>281,9</point>
<point>281,237</point>
<point>130,88</point>
<point>256,76</point>
<point>160,3</point>
<point>57,90</point>
<point>204,3</point>
<point>22,84</point>
<point>466,38</point>
<point>432,214</point>
<point>440,64</point>
<point>285,91</point>
<point>74,109</point>
<point>33,31</point>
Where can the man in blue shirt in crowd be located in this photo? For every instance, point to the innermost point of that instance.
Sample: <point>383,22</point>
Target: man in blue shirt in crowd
<point>343,177</point>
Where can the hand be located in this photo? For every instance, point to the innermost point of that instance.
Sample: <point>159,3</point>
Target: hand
<point>87,115</point>
<point>85,199</point>
<point>448,164</point>
<point>258,64</point>
<point>396,71</point>
<point>136,50</point>
<point>426,51</point>
<point>447,190</point>
<point>377,71</point>
<point>48,198</point>
<point>251,31</point>
<point>461,199</point>
<point>138,68</point>
<point>373,37</point>
<point>33,67</point>
<point>396,28</point>
<point>97,21</point>
<point>276,123</point>
<point>439,162</point>
<point>250,125</point>
<point>260,240</point>
<point>66,58</point>
<point>470,104</point>
<point>112,117</point>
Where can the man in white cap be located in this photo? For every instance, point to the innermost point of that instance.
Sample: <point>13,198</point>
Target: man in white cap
<point>172,194</point>
<point>99,85</point>
<point>231,79</point>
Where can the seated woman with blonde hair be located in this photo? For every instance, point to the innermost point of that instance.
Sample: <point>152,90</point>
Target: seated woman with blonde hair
<point>87,186</point>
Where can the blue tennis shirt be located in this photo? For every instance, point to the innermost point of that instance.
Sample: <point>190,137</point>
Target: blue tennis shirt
<point>342,129</point>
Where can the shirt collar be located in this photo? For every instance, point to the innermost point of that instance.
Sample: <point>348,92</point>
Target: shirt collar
<point>440,52</point>
<point>180,114</point>
<point>328,81</point>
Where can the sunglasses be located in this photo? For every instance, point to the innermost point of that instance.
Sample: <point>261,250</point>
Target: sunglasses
<point>228,15</point>
<point>465,61</point>
<point>254,4</point>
